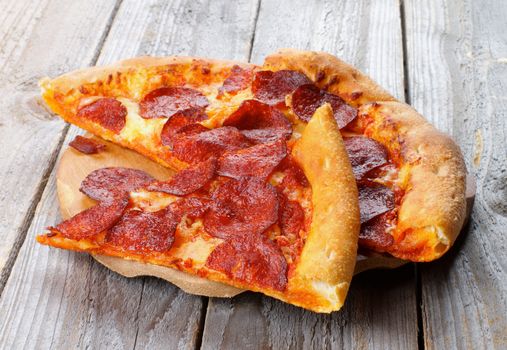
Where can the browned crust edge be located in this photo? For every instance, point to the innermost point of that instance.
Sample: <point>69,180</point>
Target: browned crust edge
<point>329,255</point>
<point>77,78</point>
<point>433,210</point>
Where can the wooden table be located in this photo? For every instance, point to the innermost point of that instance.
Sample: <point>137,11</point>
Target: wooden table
<point>446,58</point>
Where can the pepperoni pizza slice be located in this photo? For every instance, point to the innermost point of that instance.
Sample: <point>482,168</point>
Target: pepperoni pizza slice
<point>278,216</point>
<point>179,111</point>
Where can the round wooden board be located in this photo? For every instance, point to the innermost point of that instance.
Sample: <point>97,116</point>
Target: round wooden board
<point>75,166</point>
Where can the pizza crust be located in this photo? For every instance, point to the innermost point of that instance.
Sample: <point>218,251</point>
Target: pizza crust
<point>135,70</point>
<point>434,207</point>
<point>329,255</point>
<point>330,73</point>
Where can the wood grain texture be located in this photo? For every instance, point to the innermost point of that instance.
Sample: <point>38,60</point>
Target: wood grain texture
<point>380,311</point>
<point>457,65</point>
<point>375,316</point>
<point>33,44</point>
<point>60,299</point>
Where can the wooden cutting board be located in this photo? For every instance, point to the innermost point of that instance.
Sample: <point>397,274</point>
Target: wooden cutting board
<point>75,166</point>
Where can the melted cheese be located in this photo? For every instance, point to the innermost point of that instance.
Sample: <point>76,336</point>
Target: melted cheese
<point>138,129</point>
<point>151,201</point>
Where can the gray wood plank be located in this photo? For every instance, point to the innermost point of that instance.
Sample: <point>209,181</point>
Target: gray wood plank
<point>33,44</point>
<point>59,299</point>
<point>457,65</point>
<point>376,316</point>
<point>381,310</point>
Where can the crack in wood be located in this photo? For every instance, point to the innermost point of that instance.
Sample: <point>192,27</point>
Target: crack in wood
<point>202,322</point>
<point>252,39</point>
<point>406,84</point>
<point>136,320</point>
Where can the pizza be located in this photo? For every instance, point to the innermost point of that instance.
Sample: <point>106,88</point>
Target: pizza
<point>258,217</point>
<point>278,166</point>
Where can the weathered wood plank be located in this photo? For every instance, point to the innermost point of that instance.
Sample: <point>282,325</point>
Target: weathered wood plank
<point>60,299</point>
<point>375,316</point>
<point>32,42</point>
<point>457,59</point>
<point>381,308</point>
<point>218,29</point>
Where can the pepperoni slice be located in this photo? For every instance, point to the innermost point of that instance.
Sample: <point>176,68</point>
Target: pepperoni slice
<point>86,145</point>
<point>260,122</point>
<point>188,180</point>
<point>192,207</point>
<point>186,130</point>
<point>294,175</point>
<point>374,200</point>
<point>166,101</point>
<point>210,143</point>
<point>307,98</point>
<point>93,220</point>
<point>258,160</point>
<point>180,123</point>
<point>365,154</point>
<point>238,80</point>
<point>142,231</point>
<point>108,112</point>
<point>106,183</point>
<point>259,262</point>
<point>244,207</point>
<point>373,234</point>
<point>291,216</point>
<point>272,87</point>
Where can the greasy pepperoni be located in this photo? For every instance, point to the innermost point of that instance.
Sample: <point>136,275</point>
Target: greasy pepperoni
<point>190,129</point>
<point>181,121</point>
<point>260,122</point>
<point>272,87</point>
<point>165,102</point>
<point>244,207</point>
<point>258,160</point>
<point>373,234</point>
<point>192,207</point>
<point>265,135</point>
<point>188,180</point>
<point>93,220</point>
<point>238,80</point>
<point>365,154</point>
<point>106,183</point>
<point>258,262</point>
<point>210,143</point>
<point>307,98</point>
<point>86,145</point>
<point>291,216</point>
<point>142,231</point>
<point>294,175</point>
<point>108,112</point>
<point>374,199</point>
